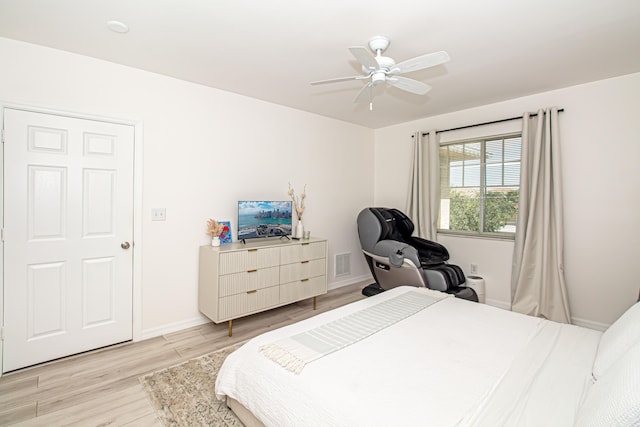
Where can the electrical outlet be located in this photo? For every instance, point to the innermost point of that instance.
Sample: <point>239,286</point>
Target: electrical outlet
<point>158,214</point>
<point>474,268</point>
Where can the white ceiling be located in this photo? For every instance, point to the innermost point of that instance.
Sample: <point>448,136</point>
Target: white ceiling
<point>272,50</point>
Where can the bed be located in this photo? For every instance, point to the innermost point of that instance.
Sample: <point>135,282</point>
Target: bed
<point>449,363</point>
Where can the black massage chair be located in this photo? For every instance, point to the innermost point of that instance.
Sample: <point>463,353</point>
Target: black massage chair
<point>396,258</point>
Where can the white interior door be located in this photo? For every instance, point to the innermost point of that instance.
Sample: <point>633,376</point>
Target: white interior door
<point>68,229</point>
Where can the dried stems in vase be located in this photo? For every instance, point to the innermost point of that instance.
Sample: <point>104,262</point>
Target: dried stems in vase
<point>214,228</point>
<point>298,202</point>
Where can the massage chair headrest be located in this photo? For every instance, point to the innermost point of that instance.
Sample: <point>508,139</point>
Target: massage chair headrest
<point>377,224</point>
<point>394,225</point>
<point>370,228</point>
<point>403,223</point>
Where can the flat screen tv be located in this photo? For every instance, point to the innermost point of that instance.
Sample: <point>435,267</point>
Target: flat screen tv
<point>261,219</point>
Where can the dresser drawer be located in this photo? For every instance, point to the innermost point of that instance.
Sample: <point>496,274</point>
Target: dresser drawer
<point>249,302</point>
<point>302,270</point>
<point>301,289</point>
<point>237,283</point>
<point>303,252</point>
<point>250,259</point>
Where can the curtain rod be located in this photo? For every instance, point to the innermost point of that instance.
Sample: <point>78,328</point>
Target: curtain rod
<point>487,123</point>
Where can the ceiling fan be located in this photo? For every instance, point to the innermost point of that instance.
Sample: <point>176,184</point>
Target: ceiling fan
<point>381,69</point>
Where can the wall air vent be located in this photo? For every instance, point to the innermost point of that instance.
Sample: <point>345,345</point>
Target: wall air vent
<point>343,264</point>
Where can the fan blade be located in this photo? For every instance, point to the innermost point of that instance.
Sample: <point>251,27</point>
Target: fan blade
<point>409,85</point>
<point>340,79</point>
<point>365,93</point>
<point>364,57</point>
<point>420,62</point>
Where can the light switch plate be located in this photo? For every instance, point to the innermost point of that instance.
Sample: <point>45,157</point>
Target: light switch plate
<point>158,214</point>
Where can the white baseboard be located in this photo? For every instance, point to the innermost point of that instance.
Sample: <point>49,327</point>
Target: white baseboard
<point>498,303</point>
<point>574,320</point>
<point>173,327</point>
<point>350,281</point>
<point>589,324</point>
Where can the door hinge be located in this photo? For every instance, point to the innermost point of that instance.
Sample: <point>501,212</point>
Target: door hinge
<point>1,334</point>
<point>3,135</point>
<point>1,234</point>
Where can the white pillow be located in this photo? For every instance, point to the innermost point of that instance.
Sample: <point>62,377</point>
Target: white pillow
<point>614,400</point>
<point>623,334</point>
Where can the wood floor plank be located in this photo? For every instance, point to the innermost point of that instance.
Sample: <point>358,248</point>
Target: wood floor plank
<point>70,385</point>
<point>149,420</point>
<point>15,413</point>
<point>94,361</point>
<point>21,385</point>
<point>111,378</point>
<point>116,408</point>
<point>184,335</point>
<point>102,387</point>
<point>190,352</point>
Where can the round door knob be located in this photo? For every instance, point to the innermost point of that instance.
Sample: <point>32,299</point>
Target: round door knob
<point>125,245</point>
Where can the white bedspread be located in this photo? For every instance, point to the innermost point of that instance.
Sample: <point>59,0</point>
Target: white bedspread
<point>454,363</point>
<point>296,351</point>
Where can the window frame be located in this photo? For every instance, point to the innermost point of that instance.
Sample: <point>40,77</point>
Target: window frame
<point>480,234</point>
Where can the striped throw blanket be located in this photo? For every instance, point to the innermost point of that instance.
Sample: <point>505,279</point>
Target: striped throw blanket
<point>296,351</point>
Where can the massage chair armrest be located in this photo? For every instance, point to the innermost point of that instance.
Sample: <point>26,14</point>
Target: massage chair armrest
<point>430,252</point>
<point>387,248</point>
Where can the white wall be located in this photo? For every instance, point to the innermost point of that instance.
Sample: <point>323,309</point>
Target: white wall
<point>204,149</point>
<point>599,146</point>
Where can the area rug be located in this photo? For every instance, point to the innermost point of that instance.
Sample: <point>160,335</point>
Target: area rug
<point>183,395</point>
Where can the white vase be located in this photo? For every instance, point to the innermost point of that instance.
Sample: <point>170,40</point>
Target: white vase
<point>215,241</point>
<point>299,230</point>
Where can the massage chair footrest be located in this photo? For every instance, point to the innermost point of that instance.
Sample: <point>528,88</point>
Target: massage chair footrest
<point>464,293</point>
<point>372,289</point>
<point>443,277</point>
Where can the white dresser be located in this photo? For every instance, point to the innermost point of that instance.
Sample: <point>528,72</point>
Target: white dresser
<point>241,279</point>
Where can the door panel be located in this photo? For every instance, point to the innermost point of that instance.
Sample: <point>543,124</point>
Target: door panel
<point>47,201</point>
<point>98,288</point>
<point>45,296</point>
<point>99,197</point>
<point>68,206</point>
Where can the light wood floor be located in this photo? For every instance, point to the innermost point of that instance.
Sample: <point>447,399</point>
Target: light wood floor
<point>101,387</point>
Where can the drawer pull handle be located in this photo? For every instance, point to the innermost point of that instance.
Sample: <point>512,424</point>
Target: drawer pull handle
<point>304,280</point>
<point>251,271</point>
<point>304,262</point>
<point>252,292</point>
<point>251,250</point>
<point>304,244</point>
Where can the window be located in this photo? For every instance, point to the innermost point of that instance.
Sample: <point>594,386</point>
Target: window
<point>479,186</point>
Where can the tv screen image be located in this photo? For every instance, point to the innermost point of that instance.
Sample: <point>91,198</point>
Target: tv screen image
<point>259,219</point>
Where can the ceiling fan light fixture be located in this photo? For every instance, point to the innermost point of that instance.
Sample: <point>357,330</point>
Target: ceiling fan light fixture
<point>378,77</point>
